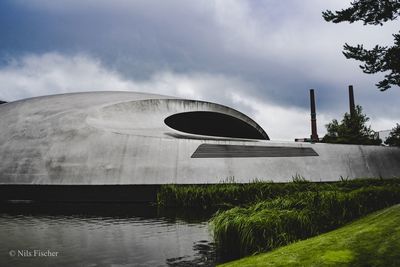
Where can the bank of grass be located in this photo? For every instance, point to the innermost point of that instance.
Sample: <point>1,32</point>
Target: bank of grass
<point>269,224</point>
<point>230,194</point>
<point>261,216</point>
<point>371,241</point>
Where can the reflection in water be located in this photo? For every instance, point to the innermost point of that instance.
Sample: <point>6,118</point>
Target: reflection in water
<point>102,235</point>
<point>205,256</point>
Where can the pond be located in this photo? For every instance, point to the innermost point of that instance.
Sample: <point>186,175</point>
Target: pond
<point>79,234</point>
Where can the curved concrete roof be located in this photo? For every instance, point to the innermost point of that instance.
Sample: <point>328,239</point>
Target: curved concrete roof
<point>121,138</point>
<point>46,139</point>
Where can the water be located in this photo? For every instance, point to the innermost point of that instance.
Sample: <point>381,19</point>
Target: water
<point>102,235</point>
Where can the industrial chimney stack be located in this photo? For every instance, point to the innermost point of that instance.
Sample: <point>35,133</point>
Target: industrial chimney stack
<point>351,101</point>
<point>314,135</point>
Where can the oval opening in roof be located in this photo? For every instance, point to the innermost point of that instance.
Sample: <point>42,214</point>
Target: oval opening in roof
<point>212,124</point>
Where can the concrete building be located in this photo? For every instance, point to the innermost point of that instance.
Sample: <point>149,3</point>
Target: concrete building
<point>383,135</point>
<point>125,138</point>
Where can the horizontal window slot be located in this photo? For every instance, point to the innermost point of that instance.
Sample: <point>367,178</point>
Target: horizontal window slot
<point>240,151</point>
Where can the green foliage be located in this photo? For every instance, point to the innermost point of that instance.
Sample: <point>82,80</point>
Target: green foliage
<point>273,223</point>
<point>371,12</point>
<point>206,196</point>
<point>299,179</point>
<point>271,214</point>
<point>394,136</point>
<point>371,241</point>
<point>380,58</point>
<point>351,130</point>
<point>224,195</point>
<point>227,195</point>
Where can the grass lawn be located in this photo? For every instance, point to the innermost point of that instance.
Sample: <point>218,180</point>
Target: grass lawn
<point>371,241</point>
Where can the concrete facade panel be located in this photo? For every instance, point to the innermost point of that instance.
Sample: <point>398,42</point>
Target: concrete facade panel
<point>119,138</point>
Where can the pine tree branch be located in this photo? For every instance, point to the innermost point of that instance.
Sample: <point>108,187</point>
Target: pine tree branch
<point>373,12</point>
<point>379,59</point>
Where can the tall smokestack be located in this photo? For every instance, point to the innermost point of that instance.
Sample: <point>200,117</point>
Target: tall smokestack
<point>314,135</point>
<point>351,101</point>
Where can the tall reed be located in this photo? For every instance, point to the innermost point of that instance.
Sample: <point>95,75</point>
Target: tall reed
<point>225,195</point>
<point>285,219</point>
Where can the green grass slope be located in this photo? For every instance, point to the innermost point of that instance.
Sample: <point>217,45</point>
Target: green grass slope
<point>371,241</point>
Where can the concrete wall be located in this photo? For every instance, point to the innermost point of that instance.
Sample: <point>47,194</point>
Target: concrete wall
<point>121,138</point>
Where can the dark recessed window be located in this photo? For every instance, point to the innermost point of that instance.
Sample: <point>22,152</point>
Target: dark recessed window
<point>213,124</point>
<point>239,151</point>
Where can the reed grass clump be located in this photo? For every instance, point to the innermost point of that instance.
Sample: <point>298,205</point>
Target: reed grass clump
<point>225,194</point>
<point>373,240</point>
<point>230,194</point>
<point>272,223</point>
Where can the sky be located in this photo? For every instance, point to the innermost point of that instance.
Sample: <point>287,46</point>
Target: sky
<point>259,57</point>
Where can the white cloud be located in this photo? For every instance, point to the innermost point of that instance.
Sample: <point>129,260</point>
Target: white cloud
<point>294,36</point>
<point>382,124</point>
<point>284,47</point>
<point>282,123</point>
<point>53,73</point>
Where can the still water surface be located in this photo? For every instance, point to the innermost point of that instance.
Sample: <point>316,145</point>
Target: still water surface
<point>102,235</point>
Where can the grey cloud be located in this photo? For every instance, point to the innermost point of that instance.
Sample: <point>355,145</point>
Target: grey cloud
<point>54,73</point>
<point>279,49</point>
